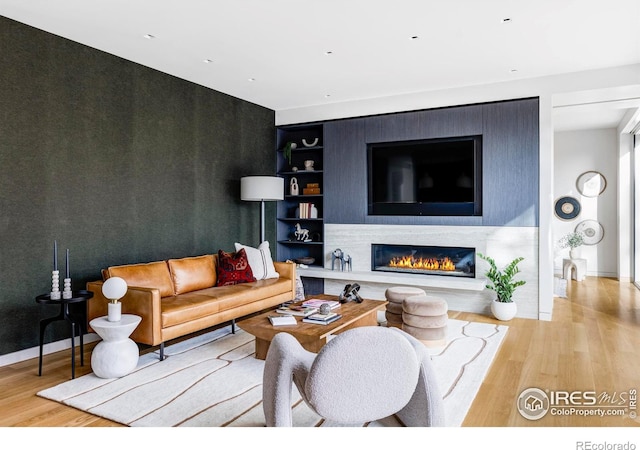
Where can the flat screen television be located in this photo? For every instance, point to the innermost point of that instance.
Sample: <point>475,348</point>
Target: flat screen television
<point>434,177</point>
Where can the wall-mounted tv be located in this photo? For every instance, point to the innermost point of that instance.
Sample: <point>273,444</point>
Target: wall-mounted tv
<point>434,177</point>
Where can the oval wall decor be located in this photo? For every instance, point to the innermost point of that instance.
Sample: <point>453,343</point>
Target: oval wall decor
<point>567,208</point>
<point>591,184</point>
<point>591,230</point>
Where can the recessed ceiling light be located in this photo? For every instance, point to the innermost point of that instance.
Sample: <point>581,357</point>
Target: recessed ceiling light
<point>149,36</point>
<point>252,79</point>
<point>328,53</point>
<point>413,38</point>
<point>327,95</point>
<point>207,61</point>
<point>513,70</point>
<point>506,20</point>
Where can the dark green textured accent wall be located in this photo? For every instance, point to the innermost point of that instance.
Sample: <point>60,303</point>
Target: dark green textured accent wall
<point>117,162</point>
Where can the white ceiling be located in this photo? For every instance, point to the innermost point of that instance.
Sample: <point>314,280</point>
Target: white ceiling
<point>274,52</point>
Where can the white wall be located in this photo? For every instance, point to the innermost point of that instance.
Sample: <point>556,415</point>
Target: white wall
<point>576,152</point>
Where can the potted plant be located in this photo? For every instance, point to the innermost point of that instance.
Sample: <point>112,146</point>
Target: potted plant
<point>286,151</point>
<point>572,241</point>
<point>503,283</point>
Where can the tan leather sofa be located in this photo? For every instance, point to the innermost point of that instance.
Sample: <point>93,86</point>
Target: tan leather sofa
<point>179,296</point>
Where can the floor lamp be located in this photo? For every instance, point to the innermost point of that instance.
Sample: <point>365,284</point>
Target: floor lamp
<point>261,189</point>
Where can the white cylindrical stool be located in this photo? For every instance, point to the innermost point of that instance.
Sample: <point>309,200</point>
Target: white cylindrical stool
<point>395,296</point>
<point>116,355</point>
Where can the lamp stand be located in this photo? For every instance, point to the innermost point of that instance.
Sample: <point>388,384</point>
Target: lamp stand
<point>262,217</point>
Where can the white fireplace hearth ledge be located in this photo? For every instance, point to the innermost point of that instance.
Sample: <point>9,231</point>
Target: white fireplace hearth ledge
<point>432,281</point>
<point>462,294</point>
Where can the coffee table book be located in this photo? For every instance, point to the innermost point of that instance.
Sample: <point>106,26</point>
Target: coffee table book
<point>316,302</point>
<point>322,319</point>
<point>282,320</point>
<point>297,310</point>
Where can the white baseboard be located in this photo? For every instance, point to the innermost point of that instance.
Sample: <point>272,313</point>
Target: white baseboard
<point>52,347</point>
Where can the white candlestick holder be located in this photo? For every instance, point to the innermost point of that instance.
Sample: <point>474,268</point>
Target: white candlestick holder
<point>66,292</point>
<point>55,285</point>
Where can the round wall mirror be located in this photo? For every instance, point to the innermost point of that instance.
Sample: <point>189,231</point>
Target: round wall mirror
<point>591,184</point>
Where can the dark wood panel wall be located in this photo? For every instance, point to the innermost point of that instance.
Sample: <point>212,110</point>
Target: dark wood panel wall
<point>510,152</point>
<point>118,162</point>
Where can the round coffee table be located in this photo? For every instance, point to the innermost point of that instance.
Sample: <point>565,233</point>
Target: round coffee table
<point>117,355</point>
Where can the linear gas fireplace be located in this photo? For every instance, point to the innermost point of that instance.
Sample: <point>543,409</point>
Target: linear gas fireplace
<point>421,259</point>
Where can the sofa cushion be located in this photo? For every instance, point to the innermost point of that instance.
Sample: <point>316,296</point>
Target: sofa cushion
<point>192,273</point>
<point>233,268</point>
<point>260,260</point>
<point>149,275</point>
<point>184,308</point>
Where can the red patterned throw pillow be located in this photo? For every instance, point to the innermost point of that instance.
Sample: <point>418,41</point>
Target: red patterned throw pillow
<point>233,268</point>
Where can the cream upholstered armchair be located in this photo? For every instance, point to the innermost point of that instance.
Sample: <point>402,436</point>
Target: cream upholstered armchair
<point>361,375</point>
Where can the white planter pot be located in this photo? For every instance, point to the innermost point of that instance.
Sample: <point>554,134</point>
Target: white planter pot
<point>114,312</point>
<point>504,311</point>
<point>575,253</point>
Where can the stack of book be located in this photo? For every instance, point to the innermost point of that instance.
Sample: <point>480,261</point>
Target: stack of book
<point>297,310</point>
<point>316,302</point>
<point>322,319</point>
<point>305,210</point>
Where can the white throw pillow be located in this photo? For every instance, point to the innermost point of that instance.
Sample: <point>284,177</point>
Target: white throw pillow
<point>260,260</point>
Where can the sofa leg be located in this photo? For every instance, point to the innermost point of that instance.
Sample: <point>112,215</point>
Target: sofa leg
<point>162,351</point>
<point>233,326</point>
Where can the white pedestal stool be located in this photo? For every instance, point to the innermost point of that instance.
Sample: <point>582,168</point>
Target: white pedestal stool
<point>574,268</point>
<point>116,355</point>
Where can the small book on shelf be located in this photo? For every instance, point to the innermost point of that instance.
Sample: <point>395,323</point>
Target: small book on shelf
<point>322,319</point>
<point>282,320</point>
<point>316,302</point>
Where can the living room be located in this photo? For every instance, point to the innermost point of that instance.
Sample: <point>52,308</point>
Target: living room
<point>120,162</point>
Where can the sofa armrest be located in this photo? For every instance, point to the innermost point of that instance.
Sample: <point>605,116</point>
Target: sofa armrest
<point>287,270</point>
<point>143,302</point>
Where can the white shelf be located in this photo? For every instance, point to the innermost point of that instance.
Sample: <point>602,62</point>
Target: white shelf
<point>433,281</point>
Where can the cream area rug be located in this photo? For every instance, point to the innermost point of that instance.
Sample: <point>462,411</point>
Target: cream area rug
<point>213,380</point>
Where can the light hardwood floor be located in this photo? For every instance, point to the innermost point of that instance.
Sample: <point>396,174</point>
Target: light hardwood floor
<point>592,343</point>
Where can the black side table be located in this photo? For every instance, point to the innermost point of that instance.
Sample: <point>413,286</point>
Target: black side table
<point>77,322</point>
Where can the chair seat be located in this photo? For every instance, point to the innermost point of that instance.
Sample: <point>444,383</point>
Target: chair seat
<point>342,383</point>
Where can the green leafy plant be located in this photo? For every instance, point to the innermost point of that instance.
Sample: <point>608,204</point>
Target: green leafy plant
<point>286,151</point>
<point>502,282</point>
<point>572,240</point>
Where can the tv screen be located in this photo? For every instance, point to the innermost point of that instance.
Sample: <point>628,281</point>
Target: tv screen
<point>436,177</point>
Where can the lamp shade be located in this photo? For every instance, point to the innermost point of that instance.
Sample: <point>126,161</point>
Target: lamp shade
<point>114,288</point>
<point>261,188</point>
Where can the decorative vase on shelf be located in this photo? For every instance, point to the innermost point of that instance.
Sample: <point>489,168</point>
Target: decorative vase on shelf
<point>575,253</point>
<point>293,186</point>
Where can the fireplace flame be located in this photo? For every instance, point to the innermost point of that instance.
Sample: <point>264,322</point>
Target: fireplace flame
<point>409,262</point>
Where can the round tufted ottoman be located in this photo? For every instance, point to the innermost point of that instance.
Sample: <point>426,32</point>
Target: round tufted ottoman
<point>395,296</point>
<point>425,318</point>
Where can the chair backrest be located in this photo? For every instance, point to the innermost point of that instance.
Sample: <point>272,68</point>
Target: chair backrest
<point>361,375</point>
